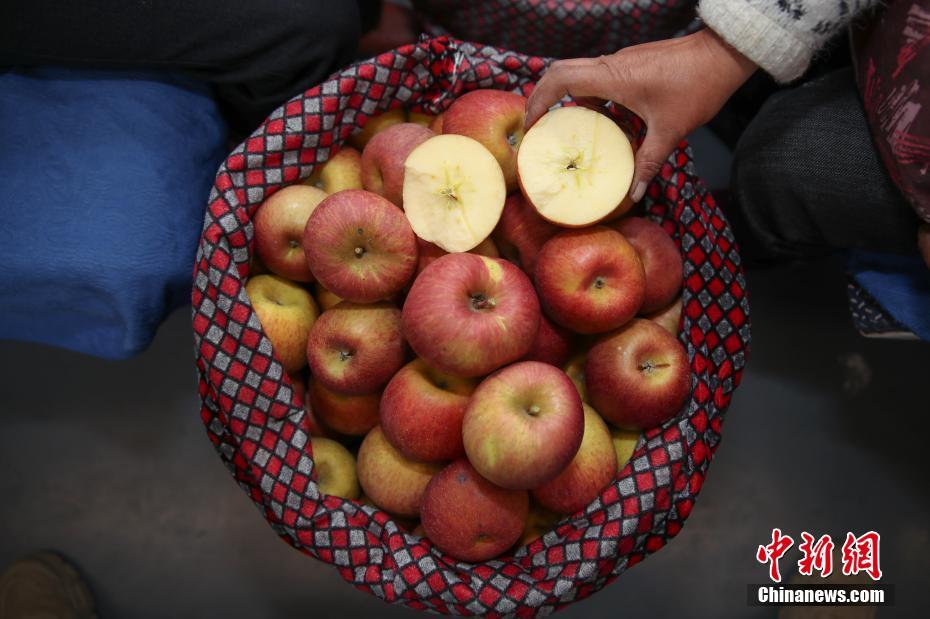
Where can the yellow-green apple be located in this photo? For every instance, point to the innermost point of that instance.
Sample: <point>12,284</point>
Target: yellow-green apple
<point>435,125</point>
<point>375,125</point>
<point>454,192</point>
<point>552,345</point>
<point>575,166</point>
<point>287,313</point>
<point>279,228</point>
<point>468,517</point>
<point>326,299</point>
<point>352,415</point>
<point>341,171</point>
<point>360,246</point>
<point>421,118</point>
<point>355,349</point>
<point>429,252</point>
<point>575,370</point>
<point>422,410</point>
<point>539,521</point>
<point>335,468</point>
<point>638,376</point>
<point>589,472</point>
<point>523,425</point>
<point>660,257</point>
<point>589,280</point>
<point>624,444</point>
<point>392,482</point>
<point>669,317</point>
<point>521,232</point>
<point>494,118</point>
<point>383,159</point>
<point>468,315</point>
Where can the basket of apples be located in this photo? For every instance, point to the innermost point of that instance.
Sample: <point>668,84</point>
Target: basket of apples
<point>452,359</point>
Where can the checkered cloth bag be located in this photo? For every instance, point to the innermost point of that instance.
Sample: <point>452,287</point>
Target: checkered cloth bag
<point>560,29</point>
<point>258,423</point>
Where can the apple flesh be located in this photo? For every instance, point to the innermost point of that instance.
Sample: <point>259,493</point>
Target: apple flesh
<point>494,118</point>
<point>589,472</point>
<point>468,517</point>
<point>624,444</point>
<point>454,192</point>
<point>521,232</point>
<point>383,159</point>
<point>375,125</point>
<point>575,166</point>
<point>637,377</point>
<point>422,410</point>
<point>287,313</point>
<point>553,344</point>
<point>590,280</point>
<point>279,228</point>
<point>351,415</point>
<point>341,171</point>
<point>392,482</point>
<point>668,317</point>
<point>335,468</point>
<point>467,315</point>
<point>523,425</point>
<point>360,247</point>
<point>355,349</point>
<point>660,257</point>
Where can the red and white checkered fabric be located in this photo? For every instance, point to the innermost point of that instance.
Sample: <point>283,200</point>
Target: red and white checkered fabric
<point>560,28</point>
<point>258,425</point>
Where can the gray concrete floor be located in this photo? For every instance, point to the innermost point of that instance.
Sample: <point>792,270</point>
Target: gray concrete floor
<point>109,464</point>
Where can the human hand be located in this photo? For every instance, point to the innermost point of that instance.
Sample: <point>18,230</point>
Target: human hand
<point>675,86</point>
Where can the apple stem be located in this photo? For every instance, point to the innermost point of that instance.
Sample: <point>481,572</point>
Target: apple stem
<point>345,355</point>
<point>359,252</point>
<point>533,410</point>
<point>649,366</point>
<point>599,282</point>
<point>480,302</point>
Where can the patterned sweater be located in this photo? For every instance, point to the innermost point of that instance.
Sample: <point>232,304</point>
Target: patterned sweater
<point>781,36</point>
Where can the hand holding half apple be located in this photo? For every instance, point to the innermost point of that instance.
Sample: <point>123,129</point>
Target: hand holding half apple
<point>489,331</point>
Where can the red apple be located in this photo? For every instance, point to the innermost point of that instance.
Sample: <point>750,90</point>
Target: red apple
<point>360,246</point>
<point>287,313</point>
<point>590,280</point>
<point>637,377</point>
<point>521,232</point>
<point>589,472</point>
<point>392,482</point>
<point>660,257</point>
<point>494,118</point>
<point>429,252</point>
<point>356,349</point>
<point>279,227</point>
<point>422,410</point>
<point>468,517</point>
<point>669,317</point>
<point>352,415</point>
<point>552,345</point>
<point>468,315</point>
<point>523,425</point>
<point>383,159</point>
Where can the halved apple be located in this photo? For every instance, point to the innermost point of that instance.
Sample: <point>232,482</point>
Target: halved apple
<point>575,166</point>
<point>454,192</point>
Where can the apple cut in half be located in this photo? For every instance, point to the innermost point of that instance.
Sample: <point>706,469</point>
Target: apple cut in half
<point>575,166</point>
<point>454,192</point>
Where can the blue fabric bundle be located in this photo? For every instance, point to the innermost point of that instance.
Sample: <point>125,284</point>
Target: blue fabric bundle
<point>104,177</point>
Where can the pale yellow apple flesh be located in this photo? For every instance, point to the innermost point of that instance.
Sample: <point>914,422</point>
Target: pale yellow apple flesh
<point>575,166</point>
<point>454,192</point>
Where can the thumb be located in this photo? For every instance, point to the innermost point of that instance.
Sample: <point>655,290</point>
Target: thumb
<point>649,159</point>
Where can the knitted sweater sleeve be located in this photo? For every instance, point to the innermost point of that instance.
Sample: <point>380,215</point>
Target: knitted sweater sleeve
<point>781,36</point>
